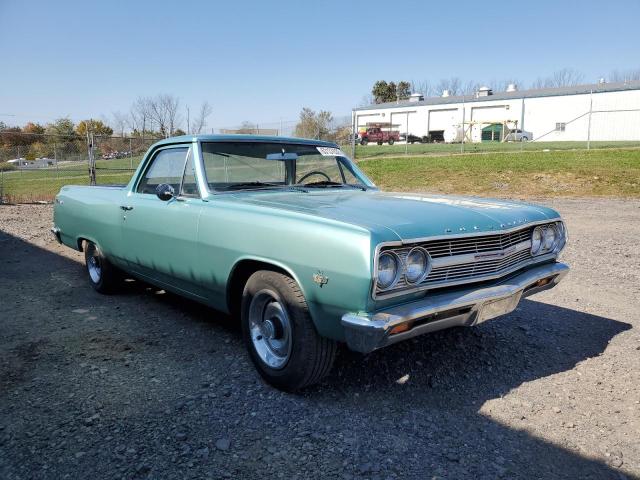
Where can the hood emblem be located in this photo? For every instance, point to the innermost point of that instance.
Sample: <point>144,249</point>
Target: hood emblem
<point>493,255</point>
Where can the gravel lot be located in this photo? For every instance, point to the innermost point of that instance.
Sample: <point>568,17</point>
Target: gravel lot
<point>148,385</point>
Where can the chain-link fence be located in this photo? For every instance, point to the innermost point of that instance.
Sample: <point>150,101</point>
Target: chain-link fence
<point>33,167</point>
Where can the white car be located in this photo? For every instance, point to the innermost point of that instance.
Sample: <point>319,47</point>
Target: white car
<point>517,135</point>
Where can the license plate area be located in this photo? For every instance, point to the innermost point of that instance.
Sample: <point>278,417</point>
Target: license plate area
<point>496,308</point>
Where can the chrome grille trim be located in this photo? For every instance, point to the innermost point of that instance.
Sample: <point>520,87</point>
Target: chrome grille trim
<point>458,259</point>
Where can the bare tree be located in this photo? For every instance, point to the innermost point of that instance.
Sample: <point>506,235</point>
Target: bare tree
<point>367,100</point>
<point>119,122</point>
<point>624,75</point>
<point>452,84</point>
<point>567,77</point>
<point>201,120</point>
<point>423,87</point>
<point>502,85</point>
<point>140,115</point>
<point>469,88</point>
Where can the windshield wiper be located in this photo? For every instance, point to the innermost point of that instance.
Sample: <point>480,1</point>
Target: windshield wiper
<point>239,186</point>
<point>329,183</point>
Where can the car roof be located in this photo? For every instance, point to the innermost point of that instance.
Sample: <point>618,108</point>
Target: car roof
<point>243,138</point>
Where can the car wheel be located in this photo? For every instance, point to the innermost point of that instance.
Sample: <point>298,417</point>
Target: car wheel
<point>391,141</point>
<point>279,334</point>
<point>103,276</point>
<point>524,139</point>
<point>364,141</point>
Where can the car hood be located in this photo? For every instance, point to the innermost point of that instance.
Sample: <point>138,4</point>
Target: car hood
<point>407,215</point>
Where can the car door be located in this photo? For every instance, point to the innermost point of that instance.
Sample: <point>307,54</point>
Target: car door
<point>160,236</point>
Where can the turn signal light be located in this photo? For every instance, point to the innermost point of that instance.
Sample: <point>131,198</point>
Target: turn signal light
<point>403,327</point>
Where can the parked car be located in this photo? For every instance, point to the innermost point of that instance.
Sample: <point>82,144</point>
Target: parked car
<point>416,139</point>
<point>290,237</point>
<point>379,136</point>
<point>517,135</point>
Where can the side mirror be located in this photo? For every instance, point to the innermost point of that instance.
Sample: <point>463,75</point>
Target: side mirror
<point>165,192</point>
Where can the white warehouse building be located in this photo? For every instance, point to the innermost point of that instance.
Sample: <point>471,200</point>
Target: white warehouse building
<point>598,112</point>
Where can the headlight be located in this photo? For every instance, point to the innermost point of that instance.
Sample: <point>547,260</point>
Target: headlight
<point>548,239</point>
<point>417,265</point>
<point>536,240</point>
<point>388,271</point>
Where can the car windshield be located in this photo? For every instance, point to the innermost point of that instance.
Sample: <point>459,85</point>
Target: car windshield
<point>232,166</point>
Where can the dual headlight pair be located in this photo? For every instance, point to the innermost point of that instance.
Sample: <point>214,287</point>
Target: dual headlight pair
<point>415,267</point>
<point>548,238</point>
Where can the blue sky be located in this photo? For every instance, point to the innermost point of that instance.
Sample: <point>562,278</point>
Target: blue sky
<point>264,60</point>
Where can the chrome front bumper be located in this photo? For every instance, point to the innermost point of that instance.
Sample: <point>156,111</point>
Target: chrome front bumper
<point>366,332</point>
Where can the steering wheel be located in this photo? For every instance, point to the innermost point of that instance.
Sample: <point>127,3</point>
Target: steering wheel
<point>315,172</point>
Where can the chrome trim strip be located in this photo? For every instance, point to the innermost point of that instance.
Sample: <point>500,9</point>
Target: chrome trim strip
<point>408,242</point>
<point>471,257</point>
<point>368,331</point>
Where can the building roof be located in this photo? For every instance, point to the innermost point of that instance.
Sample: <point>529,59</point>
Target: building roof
<point>531,93</point>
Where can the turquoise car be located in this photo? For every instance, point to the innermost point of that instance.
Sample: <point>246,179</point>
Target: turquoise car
<point>289,236</point>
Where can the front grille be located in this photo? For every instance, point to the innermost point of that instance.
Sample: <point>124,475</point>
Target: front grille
<point>459,260</point>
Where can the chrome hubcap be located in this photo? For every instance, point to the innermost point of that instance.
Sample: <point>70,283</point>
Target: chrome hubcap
<point>270,329</point>
<point>93,265</point>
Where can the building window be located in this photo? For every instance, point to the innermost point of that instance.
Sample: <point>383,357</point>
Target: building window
<point>560,127</point>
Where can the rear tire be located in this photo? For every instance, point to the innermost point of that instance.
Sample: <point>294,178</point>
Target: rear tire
<point>364,141</point>
<point>391,141</point>
<point>103,276</point>
<point>279,333</point>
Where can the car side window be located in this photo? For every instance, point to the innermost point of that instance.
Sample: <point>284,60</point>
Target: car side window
<point>166,167</point>
<point>189,184</point>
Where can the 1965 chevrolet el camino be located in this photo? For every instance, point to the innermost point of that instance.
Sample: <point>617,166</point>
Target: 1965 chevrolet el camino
<point>292,238</point>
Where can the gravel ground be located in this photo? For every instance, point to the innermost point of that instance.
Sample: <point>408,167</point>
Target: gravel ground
<point>148,385</point>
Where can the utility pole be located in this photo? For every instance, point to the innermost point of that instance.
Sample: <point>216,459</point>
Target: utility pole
<point>188,121</point>
<point>589,124</point>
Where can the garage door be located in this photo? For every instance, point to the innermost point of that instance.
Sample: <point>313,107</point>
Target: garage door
<point>443,119</point>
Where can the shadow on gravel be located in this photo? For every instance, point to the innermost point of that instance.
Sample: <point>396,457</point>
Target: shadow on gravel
<point>418,401</point>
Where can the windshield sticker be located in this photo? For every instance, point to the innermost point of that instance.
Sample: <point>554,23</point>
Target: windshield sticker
<point>331,152</point>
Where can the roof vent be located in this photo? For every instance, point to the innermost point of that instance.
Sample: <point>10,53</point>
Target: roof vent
<point>484,92</point>
<point>416,97</point>
<point>512,87</point>
<point>602,81</point>
<point>446,93</point>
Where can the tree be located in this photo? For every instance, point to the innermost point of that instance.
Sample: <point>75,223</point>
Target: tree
<point>452,84</point>
<point>422,87</point>
<point>177,132</point>
<point>96,127</point>
<point>119,122</point>
<point>403,90</point>
<point>62,127</point>
<point>567,77</point>
<point>33,128</point>
<point>624,76</point>
<point>313,125</point>
<point>201,119</point>
<point>383,92</point>
<point>247,127</point>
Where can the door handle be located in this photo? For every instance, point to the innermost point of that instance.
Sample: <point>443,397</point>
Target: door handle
<point>126,207</point>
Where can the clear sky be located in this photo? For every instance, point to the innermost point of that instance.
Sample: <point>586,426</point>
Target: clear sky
<point>264,60</point>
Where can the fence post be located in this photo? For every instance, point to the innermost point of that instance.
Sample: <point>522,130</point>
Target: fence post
<point>354,127</point>
<point>463,132</point>
<point>130,154</point>
<point>589,123</point>
<point>406,138</point>
<point>1,186</point>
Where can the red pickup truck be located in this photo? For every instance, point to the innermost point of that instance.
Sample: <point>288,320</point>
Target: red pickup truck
<point>379,136</point>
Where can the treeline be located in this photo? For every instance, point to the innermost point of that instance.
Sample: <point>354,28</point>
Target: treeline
<point>383,91</point>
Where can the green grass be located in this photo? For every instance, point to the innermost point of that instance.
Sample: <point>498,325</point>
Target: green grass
<point>614,173</point>
<point>599,172</point>
<point>373,150</point>
<point>44,183</point>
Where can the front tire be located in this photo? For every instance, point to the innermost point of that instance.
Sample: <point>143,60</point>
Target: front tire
<point>391,141</point>
<point>102,275</point>
<point>279,333</point>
